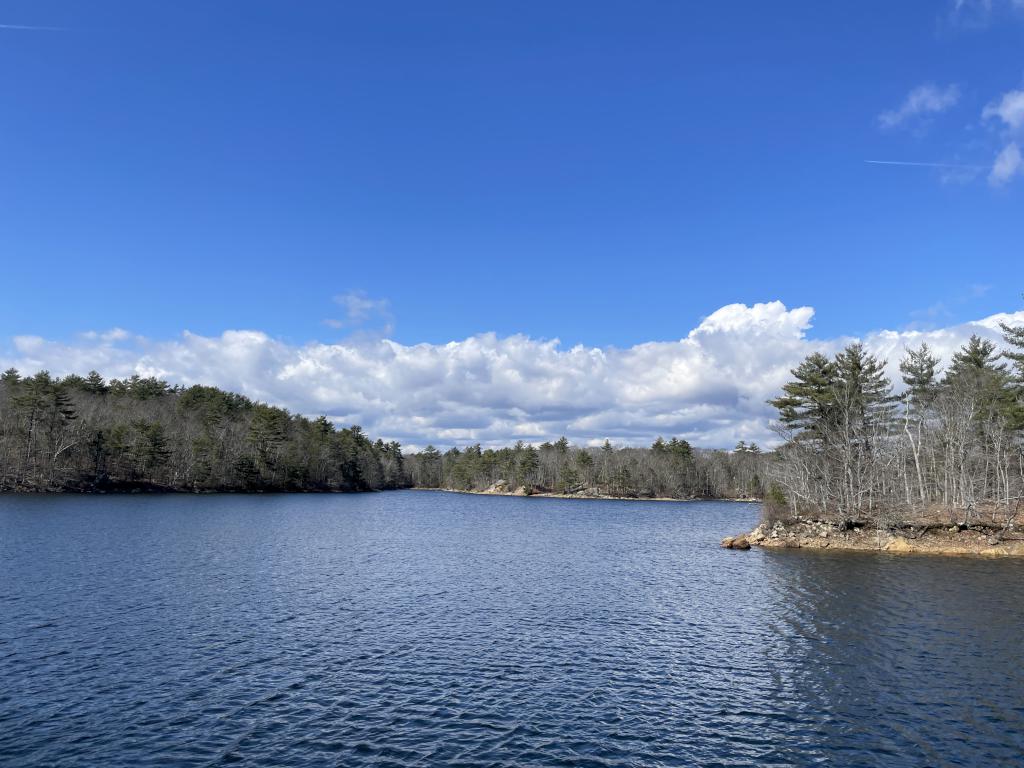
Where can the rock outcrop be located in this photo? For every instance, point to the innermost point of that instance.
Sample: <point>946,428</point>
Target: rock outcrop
<point>817,534</point>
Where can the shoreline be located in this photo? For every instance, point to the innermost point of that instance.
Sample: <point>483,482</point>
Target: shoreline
<point>580,496</point>
<point>977,540</point>
<point>151,489</point>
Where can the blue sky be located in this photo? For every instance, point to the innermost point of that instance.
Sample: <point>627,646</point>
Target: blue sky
<point>607,174</point>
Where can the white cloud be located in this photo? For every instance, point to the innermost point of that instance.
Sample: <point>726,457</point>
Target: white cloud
<point>359,309</point>
<point>927,99</point>
<point>980,13</point>
<point>1009,109</point>
<point>709,386</point>
<point>1007,165</point>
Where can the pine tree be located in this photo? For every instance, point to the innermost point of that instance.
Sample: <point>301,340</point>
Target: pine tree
<point>680,449</point>
<point>918,372</point>
<point>975,368</point>
<point>527,467</point>
<point>977,357</point>
<point>863,389</point>
<point>1014,337</point>
<point>94,384</point>
<point>808,403</point>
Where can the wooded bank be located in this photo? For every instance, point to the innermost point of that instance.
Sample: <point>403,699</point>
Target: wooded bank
<point>86,434</point>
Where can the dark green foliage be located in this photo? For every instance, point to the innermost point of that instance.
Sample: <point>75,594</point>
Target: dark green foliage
<point>528,463</point>
<point>1014,338</point>
<point>808,402</point>
<point>84,433</point>
<point>680,449</point>
<point>918,369</point>
<point>977,356</point>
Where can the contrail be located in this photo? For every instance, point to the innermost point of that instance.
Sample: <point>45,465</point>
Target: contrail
<point>927,165</point>
<point>33,29</point>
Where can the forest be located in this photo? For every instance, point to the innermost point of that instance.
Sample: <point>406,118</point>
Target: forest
<point>668,469</point>
<point>946,448</point>
<point>83,433</point>
<point>87,434</point>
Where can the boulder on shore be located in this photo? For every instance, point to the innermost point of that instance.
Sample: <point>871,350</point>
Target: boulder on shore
<point>735,542</point>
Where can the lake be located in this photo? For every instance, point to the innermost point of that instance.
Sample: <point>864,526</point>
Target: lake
<point>421,628</point>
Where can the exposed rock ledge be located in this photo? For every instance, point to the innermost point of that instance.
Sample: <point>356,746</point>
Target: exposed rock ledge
<point>935,540</point>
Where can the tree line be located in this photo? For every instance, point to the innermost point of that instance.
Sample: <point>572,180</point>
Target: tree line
<point>949,446</point>
<point>85,433</point>
<point>668,469</point>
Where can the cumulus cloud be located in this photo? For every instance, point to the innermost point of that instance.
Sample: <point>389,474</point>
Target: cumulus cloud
<point>925,100</point>
<point>709,386</point>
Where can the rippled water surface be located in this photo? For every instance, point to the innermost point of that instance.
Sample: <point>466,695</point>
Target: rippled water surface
<point>417,628</point>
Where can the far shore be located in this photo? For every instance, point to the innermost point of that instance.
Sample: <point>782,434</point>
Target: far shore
<point>543,494</point>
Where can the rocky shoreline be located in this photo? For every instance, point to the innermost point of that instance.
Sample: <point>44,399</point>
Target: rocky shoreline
<point>502,488</point>
<point>978,539</point>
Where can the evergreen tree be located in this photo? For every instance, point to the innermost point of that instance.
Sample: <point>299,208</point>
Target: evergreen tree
<point>976,369</point>
<point>978,357</point>
<point>862,388</point>
<point>94,384</point>
<point>1014,337</point>
<point>918,371</point>
<point>527,468</point>
<point>680,449</point>
<point>808,404</point>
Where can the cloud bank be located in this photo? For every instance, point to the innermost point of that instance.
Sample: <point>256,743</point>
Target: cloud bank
<point>709,386</point>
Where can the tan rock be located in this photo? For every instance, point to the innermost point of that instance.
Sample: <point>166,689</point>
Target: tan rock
<point>899,544</point>
<point>735,542</point>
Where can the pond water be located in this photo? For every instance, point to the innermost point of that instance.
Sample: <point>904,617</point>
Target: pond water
<point>420,629</point>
